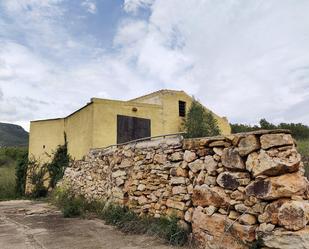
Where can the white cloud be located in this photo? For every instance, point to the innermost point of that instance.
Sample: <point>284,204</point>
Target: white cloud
<point>132,6</point>
<point>90,6</point>
<point>243,59</point>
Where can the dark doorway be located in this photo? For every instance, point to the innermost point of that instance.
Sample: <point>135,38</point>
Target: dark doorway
<point>131,128</point>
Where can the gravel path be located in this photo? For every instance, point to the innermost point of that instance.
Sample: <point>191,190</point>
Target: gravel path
<point>37,225</point>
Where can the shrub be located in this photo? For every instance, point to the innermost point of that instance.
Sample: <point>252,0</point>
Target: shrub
<point>200,122</point>
<point>58,164</point>
<point>21,174</point>
<point>121,217</point>
<point>37,174</point>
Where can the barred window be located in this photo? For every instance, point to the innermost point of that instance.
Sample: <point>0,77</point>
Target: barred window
<point>182,108</point>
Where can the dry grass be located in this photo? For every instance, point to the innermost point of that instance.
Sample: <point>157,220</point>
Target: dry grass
<point>7,182</point>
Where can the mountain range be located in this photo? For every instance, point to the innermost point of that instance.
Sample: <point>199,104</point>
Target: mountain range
<point>13,135</point>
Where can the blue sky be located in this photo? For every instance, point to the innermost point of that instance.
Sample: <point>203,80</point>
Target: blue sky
<point>244,59</point>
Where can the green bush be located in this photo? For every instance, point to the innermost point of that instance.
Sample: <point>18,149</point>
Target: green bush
<point>9,160</point>
<point>37,174</point>
<point>199,122</point>
<point>58,164</point>
<point>299,131</point>
<point>21,174</point>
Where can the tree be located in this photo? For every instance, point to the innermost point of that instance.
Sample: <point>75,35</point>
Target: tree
<point>200,122</point>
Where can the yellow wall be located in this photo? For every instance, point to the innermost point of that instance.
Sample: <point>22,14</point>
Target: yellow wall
<point>169,101</point>
<point>79,130</point>
<point>48,134</point>
<point>105,119</point>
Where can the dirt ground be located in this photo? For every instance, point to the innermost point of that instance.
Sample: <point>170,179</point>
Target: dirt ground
<point>35,225</point>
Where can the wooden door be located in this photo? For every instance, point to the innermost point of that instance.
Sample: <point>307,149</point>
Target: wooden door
<point>131,128</point>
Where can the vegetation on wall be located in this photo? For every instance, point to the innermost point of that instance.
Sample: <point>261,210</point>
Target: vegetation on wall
<point>59,163</point>
<point>44,177</point>
<point>200,122</point>
<point>127,221</point>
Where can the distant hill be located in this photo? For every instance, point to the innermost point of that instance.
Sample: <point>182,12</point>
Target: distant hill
<point>13,135</point>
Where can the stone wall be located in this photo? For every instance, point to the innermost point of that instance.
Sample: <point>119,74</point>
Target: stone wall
<point>232,189</point>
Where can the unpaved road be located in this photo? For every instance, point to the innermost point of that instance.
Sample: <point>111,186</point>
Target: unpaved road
<point>36,225</point>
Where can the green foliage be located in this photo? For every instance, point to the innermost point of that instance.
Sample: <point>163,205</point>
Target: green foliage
<point>121,217</point>
<point>37,174</point>
<point>299,131</point>
<point>58,164</point>
<point>200,122</point>
<point>7,183</point>
<point>9,158</point>
<point>21,174</point>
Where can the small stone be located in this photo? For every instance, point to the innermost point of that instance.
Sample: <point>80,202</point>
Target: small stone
<point>188,215</point>
<point>222,211</point>
<point>141,187</point>
<point>247,219</point>
<point>189,156</point>
<point>196,166</point>
<point>227,180</point>
<point>233,215</point>
<point>178,171</point>
<point>265,228</point>
<point>176,156</point>
<point>118,173</point>
<point>206,196</point>
<point>179,190</point>
<point>231,159</point>
<point>178,180</point>
<point>210,165</point>
<point>210,210</point>
<point>175,204</point>
<point>218,151</point>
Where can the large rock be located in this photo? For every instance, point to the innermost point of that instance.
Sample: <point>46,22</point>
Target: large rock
<point>231,159</point>
<point>273,162</point>
<point>292,215</point>
<point>211,231</point>
<point>231,180</point>
<point>275,140</point>
<point>272,188</point>
<point>248,144</point>
<point>283,239</point>
<point>206,196</point>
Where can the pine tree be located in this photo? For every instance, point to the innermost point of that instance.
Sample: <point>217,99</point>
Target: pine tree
<point>200,122</point>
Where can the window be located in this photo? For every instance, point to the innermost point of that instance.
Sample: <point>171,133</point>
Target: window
<point>182,108</point>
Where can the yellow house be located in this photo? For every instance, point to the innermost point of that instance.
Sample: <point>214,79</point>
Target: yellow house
<point>103,122</point>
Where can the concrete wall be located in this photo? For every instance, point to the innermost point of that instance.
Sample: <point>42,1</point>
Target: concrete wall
<point>44,138</point>
<point>231,189</point>
<point>79,128</point>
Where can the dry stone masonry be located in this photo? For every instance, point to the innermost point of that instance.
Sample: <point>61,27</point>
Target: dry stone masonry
<point>231,189</point>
